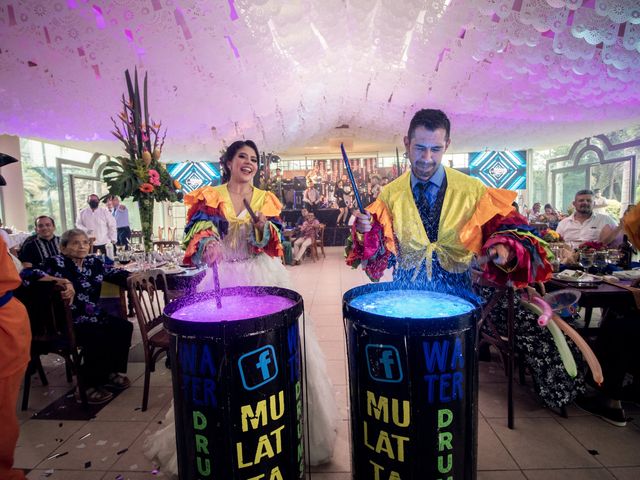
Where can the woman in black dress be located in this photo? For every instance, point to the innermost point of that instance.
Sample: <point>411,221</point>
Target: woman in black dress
<point>340,193</point>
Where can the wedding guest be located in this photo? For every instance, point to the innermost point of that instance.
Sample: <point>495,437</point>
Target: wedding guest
<point>104,338</point>
<point>311,197</point>
<point>121,214</point>
<point>308,234</point>
<point>599,202</point>
<point>44,244</point>
<point>583,225</point>
<point>534,214</point>
<point>551,216</point>
<point>98,223</point>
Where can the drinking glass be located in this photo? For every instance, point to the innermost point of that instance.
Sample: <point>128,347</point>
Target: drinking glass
<point>586,259</point>
<point>600,261</point>
<point>613,257</point>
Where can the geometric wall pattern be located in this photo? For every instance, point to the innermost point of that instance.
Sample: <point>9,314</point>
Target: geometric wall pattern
<point>193,175</point>
<point>506,169</point>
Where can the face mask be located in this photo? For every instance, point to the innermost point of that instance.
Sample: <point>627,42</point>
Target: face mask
<point>93,203</point>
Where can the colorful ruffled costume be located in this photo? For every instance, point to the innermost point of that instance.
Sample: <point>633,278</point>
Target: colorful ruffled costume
<point>251,258</point>
<point>469,213</point>
<point>467,218</point>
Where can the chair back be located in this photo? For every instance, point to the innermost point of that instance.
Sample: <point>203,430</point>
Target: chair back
<point>50,317</point>
<point>136,237</point>
<point>320,234</point>
<point>149,294</point>
<point>160,233</point>
<point>163,245</point>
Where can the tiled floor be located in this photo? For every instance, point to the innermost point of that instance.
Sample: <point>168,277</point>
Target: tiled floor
<point>542,446</point>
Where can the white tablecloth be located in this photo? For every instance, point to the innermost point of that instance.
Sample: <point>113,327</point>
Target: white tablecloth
<point>16,239</point>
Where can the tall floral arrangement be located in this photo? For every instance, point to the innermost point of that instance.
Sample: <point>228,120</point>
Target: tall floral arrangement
<point>140,175</point>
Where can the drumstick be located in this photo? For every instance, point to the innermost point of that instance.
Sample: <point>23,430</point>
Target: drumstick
<point>252,214</point>
<point>351,179</point>
<point>216,284</point>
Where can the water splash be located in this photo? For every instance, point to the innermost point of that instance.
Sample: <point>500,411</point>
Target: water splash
<point>412,304</point>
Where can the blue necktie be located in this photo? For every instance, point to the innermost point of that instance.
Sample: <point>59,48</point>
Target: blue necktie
<point>422,200</point>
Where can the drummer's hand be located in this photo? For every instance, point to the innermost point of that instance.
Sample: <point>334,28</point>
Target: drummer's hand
<point>212,253</point>
<point>503,253</point>
<point>363,222</point>
<point>262,220</point>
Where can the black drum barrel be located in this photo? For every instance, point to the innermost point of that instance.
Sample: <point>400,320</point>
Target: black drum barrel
<point>237,384</point>
<point>413,383</point>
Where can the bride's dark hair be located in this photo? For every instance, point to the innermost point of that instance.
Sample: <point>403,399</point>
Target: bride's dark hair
<point>231,152</point>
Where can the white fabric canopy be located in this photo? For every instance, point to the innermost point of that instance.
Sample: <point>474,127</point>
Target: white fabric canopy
<point>511,73</point>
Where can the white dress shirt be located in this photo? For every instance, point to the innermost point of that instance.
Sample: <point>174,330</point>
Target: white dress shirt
<point>98,223</point>
<point>571,230</point>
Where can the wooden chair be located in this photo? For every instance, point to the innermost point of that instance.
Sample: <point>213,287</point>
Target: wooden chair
<point>506,345</point>
<point>149,293</point>
<point>52,332</point>
<point>163,245</point>
<point>160,233</point>
<point>318,243</point>
<point>136,237</point>
<point>171,233</point>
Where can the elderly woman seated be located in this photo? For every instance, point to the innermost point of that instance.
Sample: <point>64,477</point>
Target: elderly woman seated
<point>105,339</point>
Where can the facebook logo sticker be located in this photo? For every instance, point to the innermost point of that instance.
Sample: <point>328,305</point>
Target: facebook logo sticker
<point>383,362</point>
<point>258,367</point>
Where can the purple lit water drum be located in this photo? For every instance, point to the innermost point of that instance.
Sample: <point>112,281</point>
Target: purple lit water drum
<point>413,383</point>
<point>237,384</point>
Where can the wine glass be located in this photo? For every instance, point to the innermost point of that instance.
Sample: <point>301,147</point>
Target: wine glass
<point>613,257</point>
<point>586,259</point>
<point>600,261</point>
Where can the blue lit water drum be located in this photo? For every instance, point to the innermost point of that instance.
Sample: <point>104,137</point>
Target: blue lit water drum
<point>413,383</point>
<point>237,384</point>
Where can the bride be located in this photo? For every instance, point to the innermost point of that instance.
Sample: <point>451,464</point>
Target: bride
<point>248,253</point>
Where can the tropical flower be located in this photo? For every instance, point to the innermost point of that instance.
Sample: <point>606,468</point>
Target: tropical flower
<point>154,177</point>
<point>146,188</point>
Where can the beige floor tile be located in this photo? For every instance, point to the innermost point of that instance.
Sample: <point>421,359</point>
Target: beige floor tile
<point>491,372</point>
<point>101,448</point>
<point>160,378</point>
<point>332,333</point>
<point>616,446</point>
<point>334,350</point>
<point>342,399</point>
<point>128,405</point>
<point>492,401</point>
<point>542,443</point>
<point>341,461</point>
<point>501,475</point>
<point>570,474</point>
<point>491,453</point>
<point>39,438</point>
<point>337,372</point>
<point>64,475</point>
<point>134,460</point>
<point>626,473</point>
<point>127,475</point>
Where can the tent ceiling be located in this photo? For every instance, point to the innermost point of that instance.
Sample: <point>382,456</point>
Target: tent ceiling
<point>511,73</point>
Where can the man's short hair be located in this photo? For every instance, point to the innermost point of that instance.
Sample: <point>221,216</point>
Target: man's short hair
<point>53,222</point>
<point>585,191</point>
<point>430,119</point>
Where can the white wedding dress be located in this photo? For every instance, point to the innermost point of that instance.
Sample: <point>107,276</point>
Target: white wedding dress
<point>239,267</point>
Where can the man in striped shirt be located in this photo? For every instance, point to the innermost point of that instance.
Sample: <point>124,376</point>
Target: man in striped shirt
<point>42,245</point>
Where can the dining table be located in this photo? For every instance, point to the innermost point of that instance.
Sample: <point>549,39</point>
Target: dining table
<point>603,294</point>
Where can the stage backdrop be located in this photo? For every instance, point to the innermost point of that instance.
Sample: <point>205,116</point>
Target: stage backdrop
<point>505,169</point>
<point>192,175</point>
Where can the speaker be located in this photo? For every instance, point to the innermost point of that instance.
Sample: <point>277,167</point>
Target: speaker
<point>300,183</point>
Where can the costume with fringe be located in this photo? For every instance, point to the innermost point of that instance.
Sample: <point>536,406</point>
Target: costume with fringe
<point>251,258</point>
<point>467,219</point>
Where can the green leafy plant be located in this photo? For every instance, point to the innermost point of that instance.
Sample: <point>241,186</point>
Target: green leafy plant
<point>141,175</point>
